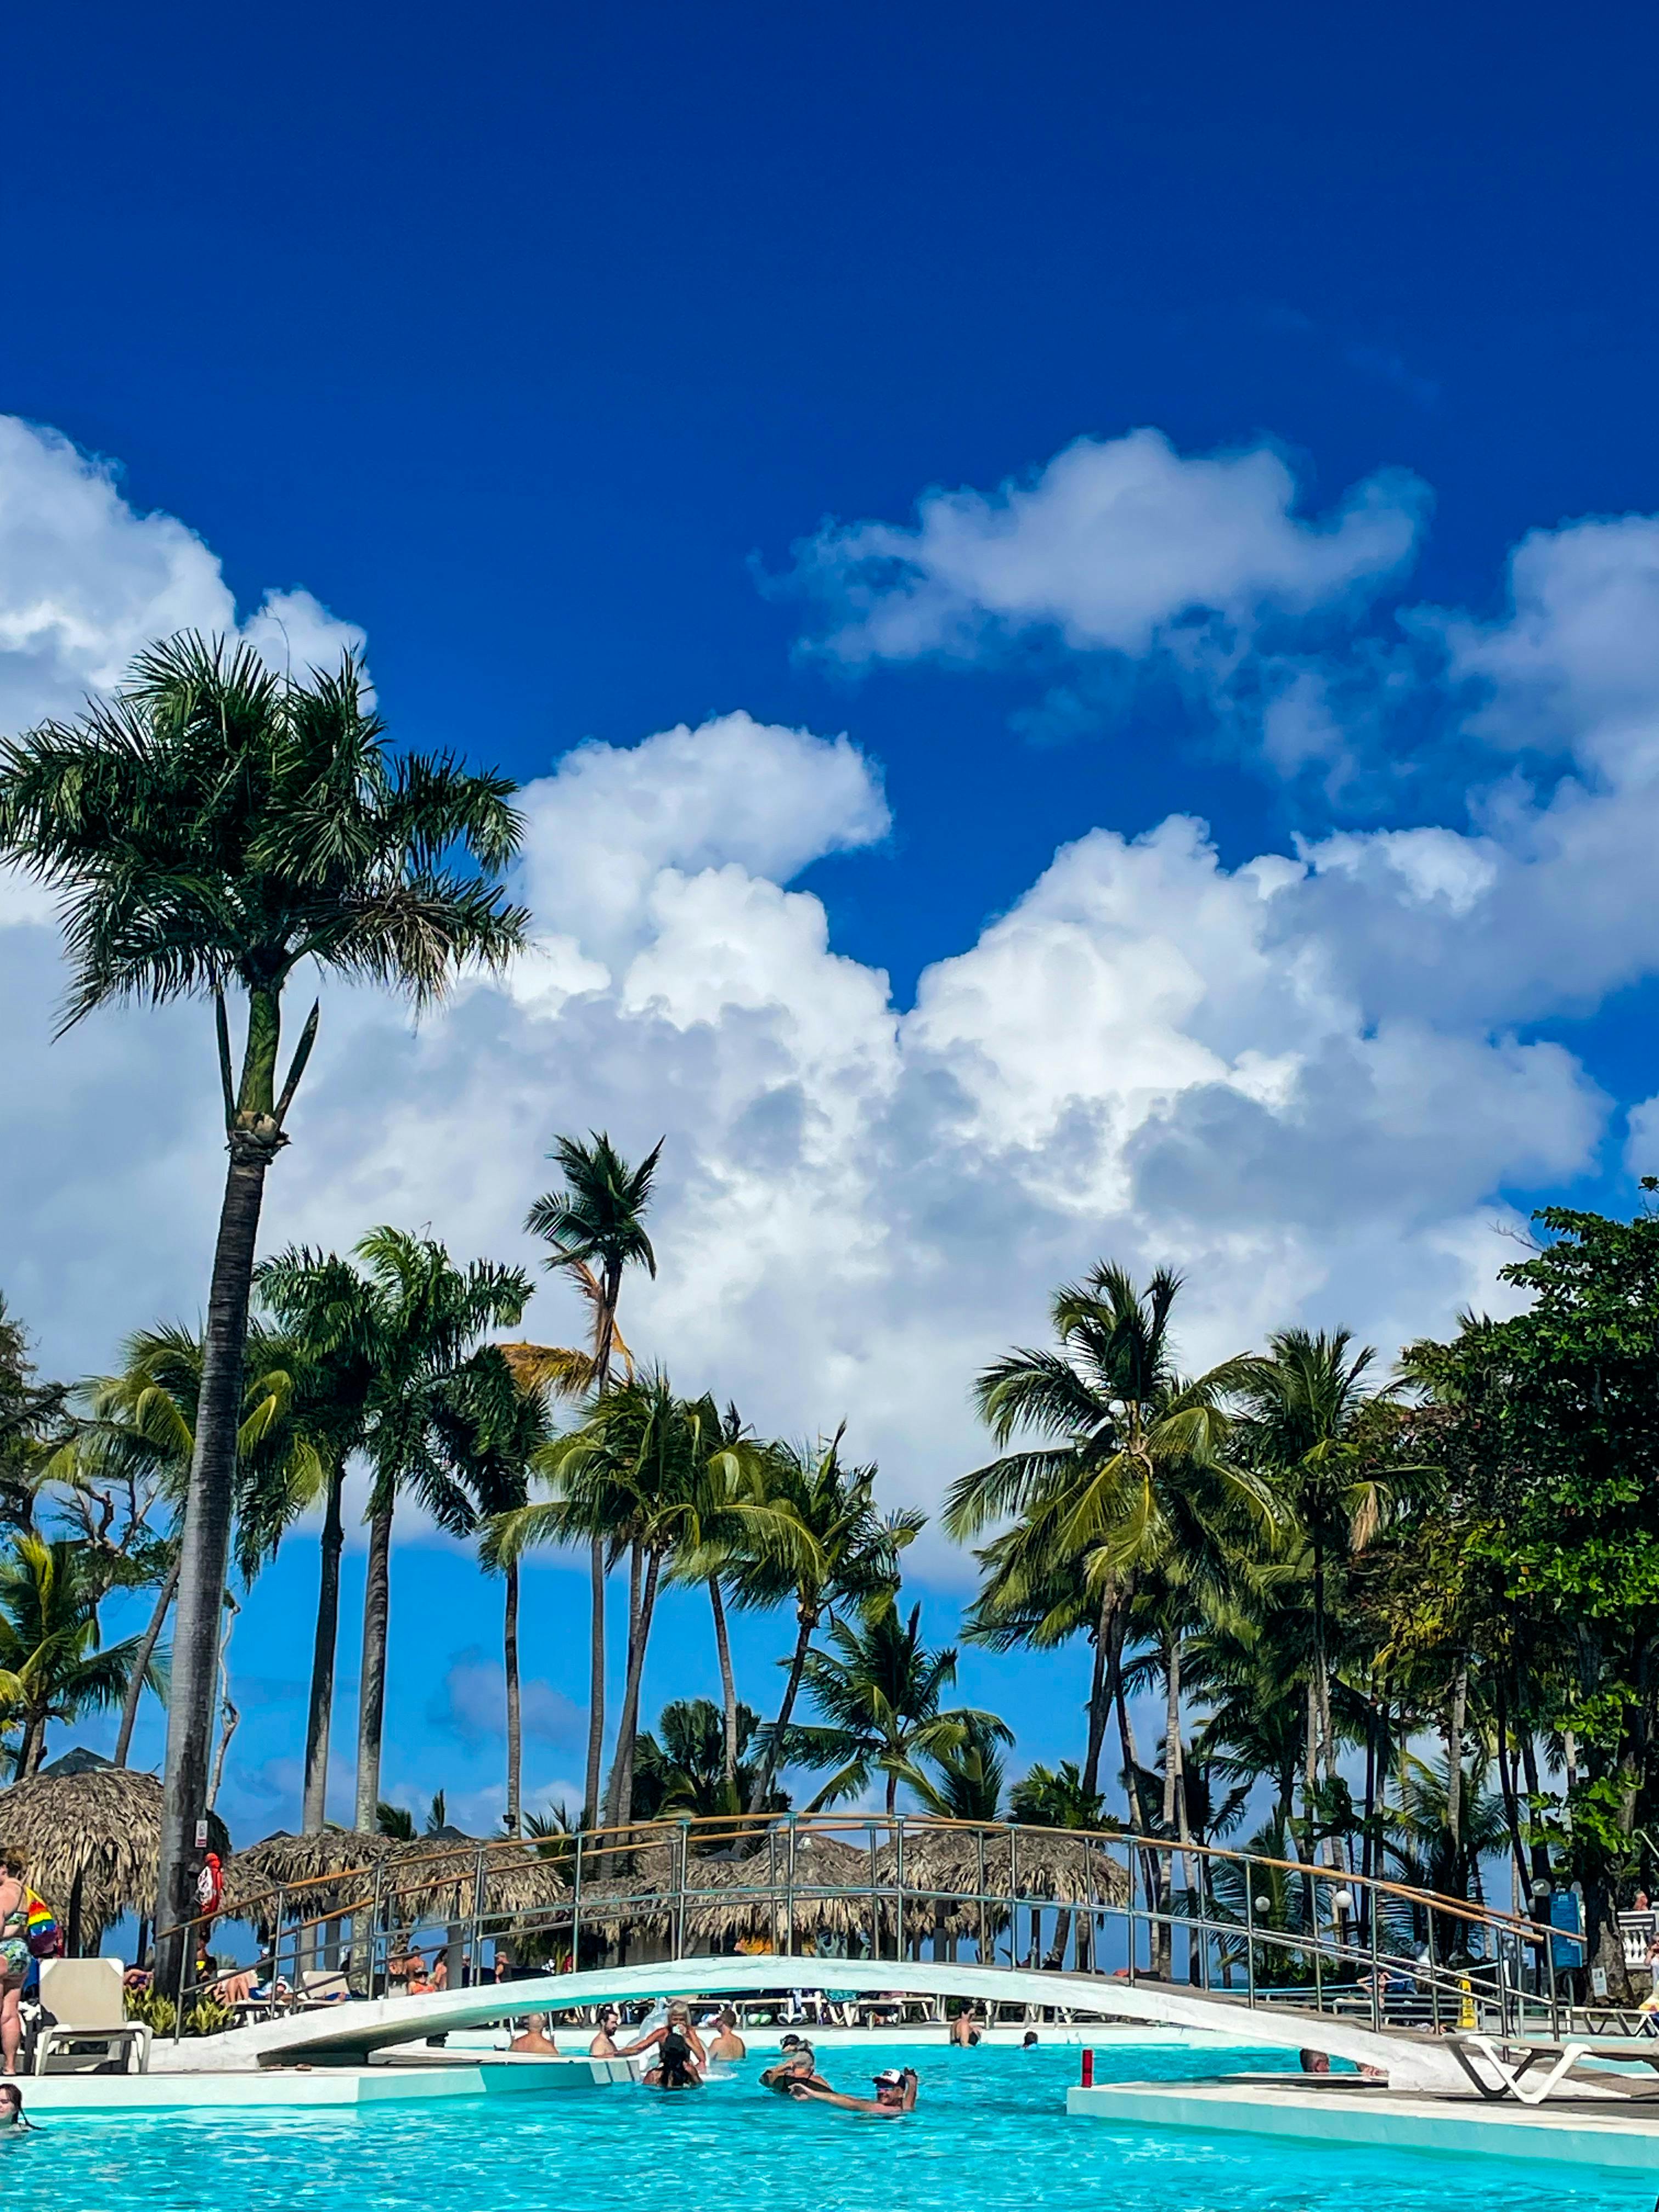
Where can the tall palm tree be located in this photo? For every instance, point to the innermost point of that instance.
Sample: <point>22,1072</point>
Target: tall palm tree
<point>843,1554</point>
<point>210,828</point>
<point>31,1412</point>
<point>596,1226</point>
<point>1129,1472</point>
<point>1306,1402</point>
<point>879,1690</point>
<point>423,1321</point>
<point>51,1666</point>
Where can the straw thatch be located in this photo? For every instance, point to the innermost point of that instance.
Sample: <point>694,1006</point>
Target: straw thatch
<point>425,1877</point>
<point>92,1840</point>
<point>1040,1866</point>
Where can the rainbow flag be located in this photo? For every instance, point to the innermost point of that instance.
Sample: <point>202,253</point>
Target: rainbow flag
<point>41,1927</point>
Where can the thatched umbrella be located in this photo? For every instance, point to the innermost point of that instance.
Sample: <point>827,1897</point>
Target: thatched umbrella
<point>92,1839</point>
<point>1047,1866</point>
<point>324,1873</point>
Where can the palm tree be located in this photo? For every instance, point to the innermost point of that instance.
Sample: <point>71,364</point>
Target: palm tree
<point>879,1688</point>
<point>1306,1404</point>
<point>421,1321</point>
<point>141,1431</point>
<point>1129,1476</point>
<point>210,828</point>
<point>52,1666</point>
<point>596,1225</point>
<point>843,1553</point>
<point>965,1781</point>
<point>683,1768</point>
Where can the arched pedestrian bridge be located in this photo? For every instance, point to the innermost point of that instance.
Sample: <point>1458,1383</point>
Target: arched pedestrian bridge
<point>1101,1924</point>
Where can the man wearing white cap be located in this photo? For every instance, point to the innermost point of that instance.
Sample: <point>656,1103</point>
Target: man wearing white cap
<point>896,2094</point>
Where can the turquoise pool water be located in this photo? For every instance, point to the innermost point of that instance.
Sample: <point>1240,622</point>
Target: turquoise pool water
<point>990,2135</point>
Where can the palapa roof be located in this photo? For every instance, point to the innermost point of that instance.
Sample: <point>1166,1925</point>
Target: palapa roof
<point>92,1839</point>
<point>1046,1865</point>
<point>333,1870</point>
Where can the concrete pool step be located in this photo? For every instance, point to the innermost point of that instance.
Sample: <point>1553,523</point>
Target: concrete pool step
<point>1579,2133</point>
<point>431,2079</point>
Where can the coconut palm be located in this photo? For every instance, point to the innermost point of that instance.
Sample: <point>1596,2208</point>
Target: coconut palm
<point>964,1781</point>
<point>1306,1404</point>
<point>682,1767</point>
<point>139,1435</point>
<point>210,828</point>
<point>879,1690</point>
<point>1128,1478</point>
<point>596,1226</point>
<point>31,1412</point>
<point>843,1553</point>
<point>421,1321</point>
<point>52,1665</point>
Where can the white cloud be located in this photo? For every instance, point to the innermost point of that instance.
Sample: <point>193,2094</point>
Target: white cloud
<point>1306,1081</point>
<point>1108,546</point>
<point>85,580</point>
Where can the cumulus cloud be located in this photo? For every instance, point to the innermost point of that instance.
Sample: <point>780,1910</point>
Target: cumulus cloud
<point>1108,547</point>
<point>1308,1081</point>
<point>469,1704</point>
<point>85,580</point>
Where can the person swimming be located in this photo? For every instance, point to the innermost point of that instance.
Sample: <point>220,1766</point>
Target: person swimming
<point>797,2068</point>
<point>895,2095</point>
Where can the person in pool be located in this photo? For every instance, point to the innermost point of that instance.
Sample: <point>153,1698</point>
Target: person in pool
<point>604,2045</point>
<point>12,2121</point>
<point>676,2067</point>
<point>963,2031</point>
<point>797,2068</point>
<point>725,2042</point>
<point>534,2043</point>
<point>679,2023</point>
<point>896,2094</point>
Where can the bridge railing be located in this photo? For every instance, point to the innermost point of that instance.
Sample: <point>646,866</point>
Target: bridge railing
<point>1103,1906</point>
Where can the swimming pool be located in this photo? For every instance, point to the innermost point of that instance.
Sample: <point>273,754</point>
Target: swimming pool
<point>990,2134</point>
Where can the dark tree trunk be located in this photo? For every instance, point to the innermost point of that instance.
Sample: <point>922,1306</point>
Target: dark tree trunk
<point>1100,1703</point>
<point>515,1724</point>
<point>769,1767</point>
<point>205,1549</point>
<point>371,1696</point>
<point>152,1636</point>
<point>315,1815</point>
<point>728,1685</point>
<point>1506,1784</point>
<point>1539,1852</point>
<point>620,1804</point>
<point>595,1684</point>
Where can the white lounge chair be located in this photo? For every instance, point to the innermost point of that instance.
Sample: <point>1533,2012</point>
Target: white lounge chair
<point>89,2032</point>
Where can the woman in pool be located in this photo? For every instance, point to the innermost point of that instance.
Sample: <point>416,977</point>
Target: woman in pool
<point>679,2023</point>
<point>676,2067</point>
<point>12,2122</point>
<point>15,1957</point>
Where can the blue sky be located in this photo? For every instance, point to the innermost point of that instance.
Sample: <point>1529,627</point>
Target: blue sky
<point>606,375</point>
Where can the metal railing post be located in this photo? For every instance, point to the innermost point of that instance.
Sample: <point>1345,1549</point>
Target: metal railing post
<point>1014,1896</point>
<point>898,1883</point>
<point>679,1902</point>
<point>979,1907</point>
<point>1249,1933</point>
<point>1132,1857</point>
<point>178,2000</point>
<point>475,1933</point>
<point>576,1910</point>
<point>875,1906</point>
<point>789,1893</point>
<point>1376,1965</point>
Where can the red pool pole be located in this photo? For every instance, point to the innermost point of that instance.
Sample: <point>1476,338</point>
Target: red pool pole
<point>1088,2069</point>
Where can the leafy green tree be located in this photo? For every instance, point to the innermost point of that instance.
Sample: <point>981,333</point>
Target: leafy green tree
<point>52,1664</point>
<point>843,1554</point>
<point>1565,1398</point>
<point>211,828</point>
<point>596,1226</point>
<point>965,1781</point>
<point>879,1690</point>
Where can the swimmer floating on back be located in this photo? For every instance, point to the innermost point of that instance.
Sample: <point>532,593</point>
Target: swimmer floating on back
<point>896,2094</point>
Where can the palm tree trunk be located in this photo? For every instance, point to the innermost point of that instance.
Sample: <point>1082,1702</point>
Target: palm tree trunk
<point>229,1717</point>
<point>208,1505</point>
<point>1100,1704</point>
<point>371,1694</point>
<point>152,1636</point>
<point>595,1684</point>
<point>728,1685</point>
<point>620,1803</point>
<point>30,1750</point>
<point>314,1803</point>
<point>1171,1730</point>
<point>770,1763</point>
<point>1506,1785</point>
<point>515,1724</point>
<point>1540,1851</point>
<point>1456,1715</point>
